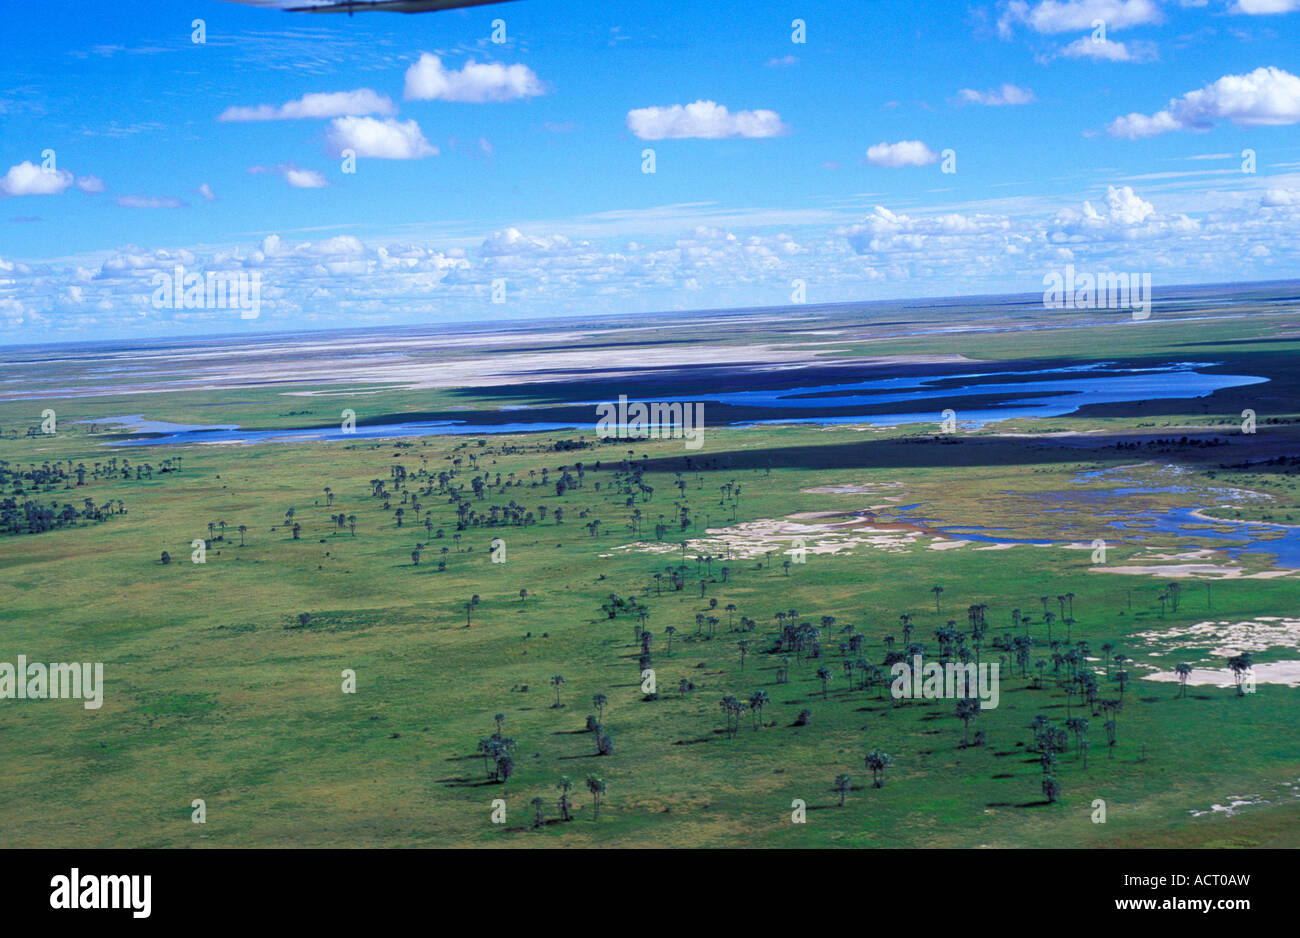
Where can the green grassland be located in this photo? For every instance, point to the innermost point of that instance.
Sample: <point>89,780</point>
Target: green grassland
<point>215,690</point>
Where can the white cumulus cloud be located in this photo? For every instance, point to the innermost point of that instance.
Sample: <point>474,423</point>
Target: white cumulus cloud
<point>902,153</point>
<point>997,97</point>
<point>1265,7</point>
<point>1266,96</point>
<point>386,139</point>
<point>319,105</point>
<point>29,179</point>
<point>705,120</point>
<point>1108,50</point>
<point>477,82</point>
<point>1063,16</point>
<point>294,175</point>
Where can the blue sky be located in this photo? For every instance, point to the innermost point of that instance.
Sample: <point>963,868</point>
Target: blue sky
<point>521,161</point>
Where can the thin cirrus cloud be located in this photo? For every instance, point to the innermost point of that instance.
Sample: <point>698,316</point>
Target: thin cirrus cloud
<point>476,82</point>
<point>705,120</point>
<point>902,153</point>
<point>1063,16</point>
<point>386,139</point>
<point>319,106</point>
<point>1002,96</point>
<point>1265,97</point>
<point>294,175</point>
<point>149,201</point>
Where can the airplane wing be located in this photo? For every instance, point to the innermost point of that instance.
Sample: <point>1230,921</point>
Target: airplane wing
<point>358,6</point>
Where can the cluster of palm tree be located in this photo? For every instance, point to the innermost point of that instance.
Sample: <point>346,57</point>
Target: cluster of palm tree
<point>497,752</point>
<point>595,785</point>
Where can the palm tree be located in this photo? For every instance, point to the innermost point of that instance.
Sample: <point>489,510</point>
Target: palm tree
<point>877,761</point>
<point>1240,665</point>
<point>242,529</point>
<point>757,701</point>
<point>596,785</point>
<point>824,673</point>
<point>599,701</point>
<point>1078,726</point>
<point>843,785</point>
<point>967,710</point>
<point>1051,789</point>
<point>728,705</point>
<point>938,591</point>
<point>564,805</point>
<point>539,815</point>
<point>557,682</point>
<point>743,645</point>
<point>1184,671</point>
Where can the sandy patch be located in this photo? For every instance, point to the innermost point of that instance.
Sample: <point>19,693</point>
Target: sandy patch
<point>1227,638</point>
<point>1203,554</point>
<point>1280,794</point>
<point>1272,672</point>
<point>868,488</point>
<point>782,539</point>
<point>1176,571</point>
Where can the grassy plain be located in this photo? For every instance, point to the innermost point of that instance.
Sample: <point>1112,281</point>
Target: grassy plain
<point>215,691</point>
